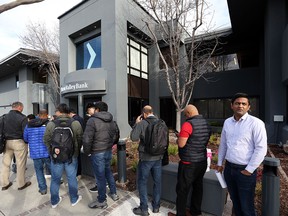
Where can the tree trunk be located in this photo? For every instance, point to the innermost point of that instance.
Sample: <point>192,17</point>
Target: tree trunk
<point>178,120</point>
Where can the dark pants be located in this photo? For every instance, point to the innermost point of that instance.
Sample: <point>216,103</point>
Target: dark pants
<point>190,176</point>
<point>241,189</point>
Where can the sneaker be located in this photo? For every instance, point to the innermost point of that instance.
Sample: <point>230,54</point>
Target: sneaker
<point>139,211</point>
<point>155,210</point>
<point>43,192</point>
<point>78,200</point>
<point>94,189</point>
<point>97,204</point>
<point>54,206</point>
<point>78,177</point>
<point>47,176</point>
<point>114,197</point>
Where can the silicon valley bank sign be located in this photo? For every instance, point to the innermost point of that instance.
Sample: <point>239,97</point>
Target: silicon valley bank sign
<point>80,86</point>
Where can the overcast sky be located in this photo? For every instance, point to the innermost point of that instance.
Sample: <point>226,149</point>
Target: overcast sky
<point>13,22</point>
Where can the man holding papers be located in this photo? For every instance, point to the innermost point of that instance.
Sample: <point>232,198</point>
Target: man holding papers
<point>243,145</point>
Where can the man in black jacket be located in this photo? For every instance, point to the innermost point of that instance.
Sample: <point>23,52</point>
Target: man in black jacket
<point>98,139</point>
<point>78,118</point>
<point>192,142</point>
<point>14,125</point>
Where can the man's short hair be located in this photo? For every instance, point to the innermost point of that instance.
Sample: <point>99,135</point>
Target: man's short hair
<point>239,95</point>
<point>102,106</point>
<point>90,105</point>
<point>72,111</point>
<point>17,104</point>
<point>147,109</point>
<point>43,112</point>
<point>31,116</point>
<point>63,108</point>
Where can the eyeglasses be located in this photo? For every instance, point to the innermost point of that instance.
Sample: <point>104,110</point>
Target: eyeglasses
<point>241,103</point>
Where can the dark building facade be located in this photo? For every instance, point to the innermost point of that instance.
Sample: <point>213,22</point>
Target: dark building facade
<point>98,49</point>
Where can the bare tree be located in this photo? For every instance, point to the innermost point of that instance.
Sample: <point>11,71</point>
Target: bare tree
<point>182,65</point>
<point>16,3</point>
<point>45,44</point>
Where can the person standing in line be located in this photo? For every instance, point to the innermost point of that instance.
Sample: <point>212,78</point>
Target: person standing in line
<point>192,142</point>
<point>98,139</point>
<point>147,163</point>
<point>14,125</point>
<point>76,117</point>
<point>243,145</point>
<point>90,110</point>
<point>69,166</point>
<point>33,135</point>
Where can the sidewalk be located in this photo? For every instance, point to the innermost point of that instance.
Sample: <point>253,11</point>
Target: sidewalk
<point>31,202</point>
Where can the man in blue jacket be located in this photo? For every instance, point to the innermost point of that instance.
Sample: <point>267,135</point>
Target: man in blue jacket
<point>33,135</point>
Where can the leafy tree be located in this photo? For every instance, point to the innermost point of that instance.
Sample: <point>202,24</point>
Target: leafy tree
<point>182,65</point>
<point>44,45</point>
<point>16,3</point>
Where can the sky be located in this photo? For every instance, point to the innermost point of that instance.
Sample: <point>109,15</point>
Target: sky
<point>13,22</point>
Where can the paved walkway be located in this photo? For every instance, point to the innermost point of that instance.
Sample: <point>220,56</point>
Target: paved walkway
<point>30,202</point>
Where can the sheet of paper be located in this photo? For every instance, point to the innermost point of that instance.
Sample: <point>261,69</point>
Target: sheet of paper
<point>221,179</point>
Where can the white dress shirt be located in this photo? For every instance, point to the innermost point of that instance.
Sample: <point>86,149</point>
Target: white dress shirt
<point>243,142</point>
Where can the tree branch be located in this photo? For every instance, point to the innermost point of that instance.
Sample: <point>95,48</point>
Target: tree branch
<point>16,3</point>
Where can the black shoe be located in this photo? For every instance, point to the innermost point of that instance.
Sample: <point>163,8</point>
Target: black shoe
<point>94,189</point>
<point>155,210</point>
<point>43,192</point>
<point>27,184</point>
<point>138,211</point>
<point>7,186</point>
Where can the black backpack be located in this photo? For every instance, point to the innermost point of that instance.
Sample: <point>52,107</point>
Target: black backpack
<point>2,137</point>
<point>117,134</point>
<point>156,137</point>
<point>62,139</point>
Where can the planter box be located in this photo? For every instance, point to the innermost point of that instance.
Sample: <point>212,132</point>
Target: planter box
<point>214,196</point>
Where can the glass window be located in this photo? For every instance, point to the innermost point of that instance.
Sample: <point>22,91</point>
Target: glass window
<point>135,72</point>
<point>221,108</point>
<point>144,62</point>
<point>137,59</point>
<point>89,54</point>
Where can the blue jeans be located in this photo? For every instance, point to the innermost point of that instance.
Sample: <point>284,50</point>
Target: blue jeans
<point>101,164</point>
<point>39,169</point>
<point>56,174</point>
<point>241,189</point>
<point>144,169</point>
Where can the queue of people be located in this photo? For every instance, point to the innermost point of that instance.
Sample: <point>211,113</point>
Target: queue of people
<point>242,149</point>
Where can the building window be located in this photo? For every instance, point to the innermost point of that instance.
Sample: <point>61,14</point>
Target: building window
<point>221,108</point>
<point>39,76</point>
<point>89,54</point>
<point>224,63</point>
<point>137,59</point>
<point>17,81</point>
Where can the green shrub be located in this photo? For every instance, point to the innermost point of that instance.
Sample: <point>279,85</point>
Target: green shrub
<point>173,149</point>
<point>134,165</point>
<point>114,160</point>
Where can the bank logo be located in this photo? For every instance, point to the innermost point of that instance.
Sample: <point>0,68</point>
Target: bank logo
<point>92,55</point>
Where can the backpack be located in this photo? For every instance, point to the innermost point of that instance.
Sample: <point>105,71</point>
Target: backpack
<point>2,137</point>
<point>156,137</point>
<point>117,134</point>
<point>62,139</point>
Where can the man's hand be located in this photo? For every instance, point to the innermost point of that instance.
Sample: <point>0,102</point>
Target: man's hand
<point>139,118</point>
<point>245,172</point>
<point>219,169</point>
